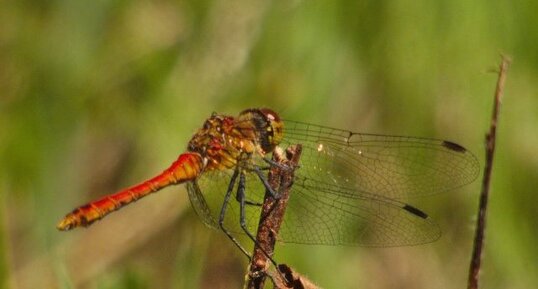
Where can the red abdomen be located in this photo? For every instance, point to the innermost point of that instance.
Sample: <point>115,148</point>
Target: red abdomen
<point>186,168</point>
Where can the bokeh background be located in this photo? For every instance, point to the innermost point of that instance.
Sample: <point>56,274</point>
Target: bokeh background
<point>99,95</point>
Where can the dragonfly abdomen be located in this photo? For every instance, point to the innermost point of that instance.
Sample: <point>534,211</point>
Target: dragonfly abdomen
<point>186,168</point>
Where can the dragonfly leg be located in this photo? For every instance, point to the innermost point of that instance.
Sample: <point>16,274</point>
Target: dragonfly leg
<point>252,203</point>
<point>248,202</point>
<point>276,164</point>
<point>242,216</point>
<point>266,184</point>
<point>223,214</point>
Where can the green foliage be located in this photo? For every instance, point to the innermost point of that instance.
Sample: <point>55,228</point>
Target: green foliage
<point>97,95</point>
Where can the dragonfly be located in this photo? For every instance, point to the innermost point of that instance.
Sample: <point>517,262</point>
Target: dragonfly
<point>349,188</point>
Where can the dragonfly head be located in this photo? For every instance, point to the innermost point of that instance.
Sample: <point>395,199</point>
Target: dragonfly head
<point>268,125</point>
<point>275,129</point>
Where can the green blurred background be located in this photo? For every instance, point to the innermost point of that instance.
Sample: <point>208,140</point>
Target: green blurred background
<point>98,95</point>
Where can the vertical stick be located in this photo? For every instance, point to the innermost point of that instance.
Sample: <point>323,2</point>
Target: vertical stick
<point>482,206</point>
<point>280,179</point>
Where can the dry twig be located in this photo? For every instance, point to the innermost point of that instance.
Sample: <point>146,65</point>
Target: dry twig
<point>288,278</point>
<point>280,179</point>
<point>482,206</point>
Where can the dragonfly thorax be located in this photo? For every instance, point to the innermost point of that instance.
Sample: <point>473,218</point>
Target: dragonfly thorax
<point>223,140</point>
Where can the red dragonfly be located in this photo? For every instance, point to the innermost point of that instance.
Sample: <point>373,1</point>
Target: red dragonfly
<point>349,187</point>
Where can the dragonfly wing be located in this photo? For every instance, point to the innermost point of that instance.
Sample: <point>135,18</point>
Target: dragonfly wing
<point>207,197</point>
<point>318,213</point>
<point>348,188</point>
<point>200,205</point>
<point>396,167</point>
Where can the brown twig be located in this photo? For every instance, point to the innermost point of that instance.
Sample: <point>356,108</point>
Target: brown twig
<point>288,278</point>
<point>482,206</point>
<point>280,179</point>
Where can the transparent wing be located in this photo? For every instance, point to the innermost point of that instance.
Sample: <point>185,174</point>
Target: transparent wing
<point>349,188</point>
<point>207,197</point>
<point>325,214</point>
<point>394,167</point>
<point>317,213</point>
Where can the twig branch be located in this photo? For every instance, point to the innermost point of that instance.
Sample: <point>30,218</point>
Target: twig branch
<point>280,179</point>
<point>287,278</point>
<point>482,206</point>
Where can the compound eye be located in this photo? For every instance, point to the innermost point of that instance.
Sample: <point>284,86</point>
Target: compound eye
<point>207,124</point>
<point>270,114</point>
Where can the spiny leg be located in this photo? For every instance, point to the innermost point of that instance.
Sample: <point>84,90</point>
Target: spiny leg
<point>266,184</point>
<point>271,163</point>
<point>223,214</point>
<point>252,203</point>
<point>242,216</point>
<point>242,202</point>
<point>246,201</point>
<point>276,164</point>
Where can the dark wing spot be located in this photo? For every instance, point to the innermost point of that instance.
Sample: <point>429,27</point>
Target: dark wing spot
<point>415,211</point>
<point>453,146</point>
